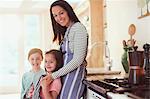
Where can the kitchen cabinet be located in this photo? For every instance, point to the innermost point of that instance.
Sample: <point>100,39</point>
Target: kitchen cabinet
<point>93,95</point>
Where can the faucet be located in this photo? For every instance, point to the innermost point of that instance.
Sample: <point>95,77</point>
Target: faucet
<point>106,56</point>
<point>107,60</point>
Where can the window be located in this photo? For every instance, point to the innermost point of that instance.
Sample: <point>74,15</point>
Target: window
<point>32,36</point>
<point>9,31</point>
<point>18,34</point>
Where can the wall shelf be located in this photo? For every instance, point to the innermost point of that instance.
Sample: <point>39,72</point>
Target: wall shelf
<point>145,15</point>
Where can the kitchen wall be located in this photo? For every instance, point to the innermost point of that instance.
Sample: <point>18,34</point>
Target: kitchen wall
<point>143,31</point>
<point>119,15</point>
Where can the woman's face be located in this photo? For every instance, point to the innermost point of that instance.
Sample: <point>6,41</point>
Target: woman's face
<point>50,62</point>
<point>61,16</point>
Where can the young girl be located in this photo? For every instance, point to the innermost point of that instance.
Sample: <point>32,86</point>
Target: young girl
<point>53,61</point>
<point>30,79</point>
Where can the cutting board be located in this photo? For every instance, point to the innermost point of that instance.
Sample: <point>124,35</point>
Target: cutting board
<point>101,71</point>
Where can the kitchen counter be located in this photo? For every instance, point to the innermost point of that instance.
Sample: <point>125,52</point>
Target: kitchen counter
<point>100,74</point>
<point>101,71</point>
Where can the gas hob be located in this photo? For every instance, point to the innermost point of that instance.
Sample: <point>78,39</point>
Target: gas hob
<point>114,88</point>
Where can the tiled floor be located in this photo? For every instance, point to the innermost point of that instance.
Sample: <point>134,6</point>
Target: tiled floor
<point>9,96</point>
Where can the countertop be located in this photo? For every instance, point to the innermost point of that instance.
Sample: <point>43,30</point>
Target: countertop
<point>100,74</point>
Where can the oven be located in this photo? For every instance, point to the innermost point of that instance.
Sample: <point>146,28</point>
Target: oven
<point>92,94</point>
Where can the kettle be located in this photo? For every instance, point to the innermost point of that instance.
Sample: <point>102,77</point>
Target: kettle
<point>136,73</point>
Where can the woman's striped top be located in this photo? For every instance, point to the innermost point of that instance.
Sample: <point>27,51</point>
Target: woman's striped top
<point>78,43</point>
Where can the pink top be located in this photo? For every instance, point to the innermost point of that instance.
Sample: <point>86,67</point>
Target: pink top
<point>54,86</point>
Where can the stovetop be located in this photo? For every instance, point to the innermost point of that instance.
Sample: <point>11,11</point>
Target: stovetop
<point>141,90</point>
<point>120,86</point>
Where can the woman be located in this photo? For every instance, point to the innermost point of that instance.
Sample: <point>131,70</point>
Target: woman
<point>73,39</point>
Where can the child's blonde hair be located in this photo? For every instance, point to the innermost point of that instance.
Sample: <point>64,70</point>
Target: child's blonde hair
<point>35,50</point>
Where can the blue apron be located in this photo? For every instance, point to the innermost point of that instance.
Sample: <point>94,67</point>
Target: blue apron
<point>73,86</point>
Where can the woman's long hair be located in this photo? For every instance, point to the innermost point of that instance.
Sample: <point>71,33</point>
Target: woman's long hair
<point>59,31</point>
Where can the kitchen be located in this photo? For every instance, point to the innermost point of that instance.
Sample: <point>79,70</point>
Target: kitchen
<point>119,14</point>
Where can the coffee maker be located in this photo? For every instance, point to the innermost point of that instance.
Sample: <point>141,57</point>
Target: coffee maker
<point>136,60</point>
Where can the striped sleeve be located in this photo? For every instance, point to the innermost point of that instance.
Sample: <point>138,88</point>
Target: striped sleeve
<point>79,50</point>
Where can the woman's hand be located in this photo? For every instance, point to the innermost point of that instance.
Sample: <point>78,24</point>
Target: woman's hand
<point>44,84</point>
<point>47,80</point>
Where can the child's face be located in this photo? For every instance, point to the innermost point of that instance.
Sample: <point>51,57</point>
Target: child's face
<point>35,60</point>
<point>50,62</point>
